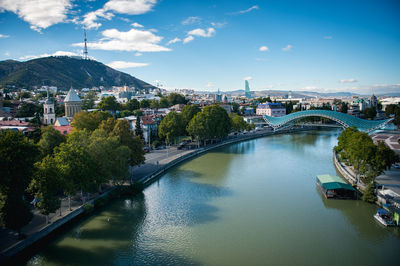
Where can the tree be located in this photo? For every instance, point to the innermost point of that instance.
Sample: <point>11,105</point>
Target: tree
<point>138,128</point>
<point>164,103</point>
<point>212,122</point>
<point>89,121</point>
<point>171,127</point>
<point>125,113</point>
<point>88,100</point>
<point>154,104</point>
<point>385,157</point>
<point>17,158</point>
<point>15,212</point>
<point>238,123</point>
<point>109,103</point>
<point>59,109</point>
<point>111,158</point>
<point>197,127</point>
<point>25,95</point>
<point>369,193</point>
<point>218,121</point>
<point>108,125</point>
<point>369,113</point>
<point>46,184</point>
<point>28,110</point>
<point>132,105</point>
<point>188,112</point>
<point>176,98</point>
<point>76,167</point>
<point>135,144</point>
<point>144,104</point>
<point>50,139</point>
<point>236,108</point>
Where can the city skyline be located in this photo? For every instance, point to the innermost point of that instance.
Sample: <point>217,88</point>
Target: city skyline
<point>327,46</point>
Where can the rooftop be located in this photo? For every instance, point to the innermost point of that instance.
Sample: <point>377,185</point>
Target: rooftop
<point>72,96</point>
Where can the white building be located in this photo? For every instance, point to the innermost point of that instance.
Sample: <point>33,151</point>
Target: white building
<point>271,109</point>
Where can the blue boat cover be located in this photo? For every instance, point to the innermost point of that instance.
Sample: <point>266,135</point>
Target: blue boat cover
<point>382,211</point>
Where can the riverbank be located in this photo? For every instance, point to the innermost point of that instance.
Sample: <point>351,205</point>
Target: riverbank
<point>348,173</point>
<point>38,229</point>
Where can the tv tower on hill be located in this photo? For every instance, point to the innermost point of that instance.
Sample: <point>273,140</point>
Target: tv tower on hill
<point>85,52</point>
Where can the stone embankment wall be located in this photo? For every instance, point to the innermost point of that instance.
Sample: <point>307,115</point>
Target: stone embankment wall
<point>348,174</point>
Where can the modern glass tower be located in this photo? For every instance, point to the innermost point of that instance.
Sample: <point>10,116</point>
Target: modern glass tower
<point>247,89</point>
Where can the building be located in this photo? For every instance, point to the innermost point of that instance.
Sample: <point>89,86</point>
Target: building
<point>72,104</point>
<point>49,115</point>
<point>335,187</point>
<point>271,109</point>
<point>247,92</point>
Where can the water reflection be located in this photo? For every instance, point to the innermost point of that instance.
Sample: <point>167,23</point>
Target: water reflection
<point>100,239</point>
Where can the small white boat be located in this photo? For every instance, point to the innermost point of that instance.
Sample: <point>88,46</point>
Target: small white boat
<point>384,217</point>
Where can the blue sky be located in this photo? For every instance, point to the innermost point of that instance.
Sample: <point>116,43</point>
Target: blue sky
<point>205,45</point>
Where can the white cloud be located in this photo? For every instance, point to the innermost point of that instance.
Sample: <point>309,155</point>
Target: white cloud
<point>132,40</point>
<point>347,80</point>
<point>218,24</point>
<point>174,41</point>
<point>255,7</point>
<point>7,53</point>
<point>4,36</point>
<point>191,20</point>
<point>40,14</point>
<point>89,19</point>
<point>263,48</point>
<point>137,25</point>
<point>130,7</point>
<point>124,64</point>
<point>328,37</point>
<point>138,54</point>
<point>202,33</point>
<point>287,48</point>
<point>248,78</point>
<point>188,39</point>
<point>209,84</point>
<point>58,53</point>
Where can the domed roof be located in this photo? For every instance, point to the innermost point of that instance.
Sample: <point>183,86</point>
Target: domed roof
<point>72,96</point>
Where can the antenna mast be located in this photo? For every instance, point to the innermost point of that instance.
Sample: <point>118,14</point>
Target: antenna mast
<point>85,52</point>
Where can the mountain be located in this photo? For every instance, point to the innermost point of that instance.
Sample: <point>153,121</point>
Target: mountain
<point>64,72</point>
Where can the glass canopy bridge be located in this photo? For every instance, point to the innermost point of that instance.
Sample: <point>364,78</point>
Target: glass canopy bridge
<point>344,120</point>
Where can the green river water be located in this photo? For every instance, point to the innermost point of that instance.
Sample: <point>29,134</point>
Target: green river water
<point>251,203</point>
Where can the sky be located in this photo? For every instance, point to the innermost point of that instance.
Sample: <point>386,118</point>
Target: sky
<point>323,46</point>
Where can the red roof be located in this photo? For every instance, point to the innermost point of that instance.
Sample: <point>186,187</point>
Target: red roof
<point>147,120</point>
<point>65,130</point>
<point>14,123</point>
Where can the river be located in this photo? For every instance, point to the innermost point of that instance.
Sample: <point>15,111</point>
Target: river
<point>251,203</point>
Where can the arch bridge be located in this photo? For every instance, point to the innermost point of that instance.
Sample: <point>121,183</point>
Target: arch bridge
<point>344,120</point>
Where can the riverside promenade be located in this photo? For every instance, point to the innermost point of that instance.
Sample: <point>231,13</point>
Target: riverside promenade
<point>157,162</point>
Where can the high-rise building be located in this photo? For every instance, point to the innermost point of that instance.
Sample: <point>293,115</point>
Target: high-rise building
<point>247,89</point>
<point>72,104</point>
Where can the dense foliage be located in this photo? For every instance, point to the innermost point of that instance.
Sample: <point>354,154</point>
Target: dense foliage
<point>368,160</point>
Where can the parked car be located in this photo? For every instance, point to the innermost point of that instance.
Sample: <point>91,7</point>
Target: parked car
<point>397,166</point>
<point>146,149</point>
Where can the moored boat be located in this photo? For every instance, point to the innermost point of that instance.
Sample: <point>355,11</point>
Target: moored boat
<point>384,217</point>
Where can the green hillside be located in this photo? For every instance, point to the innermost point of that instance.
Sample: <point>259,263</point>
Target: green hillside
<point>64,72</point>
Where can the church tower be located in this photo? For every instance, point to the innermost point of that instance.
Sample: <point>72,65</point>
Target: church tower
<point>72,104</point>
<point>49,115</point>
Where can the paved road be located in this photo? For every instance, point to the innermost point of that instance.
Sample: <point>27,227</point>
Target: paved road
<point>390,179</point>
